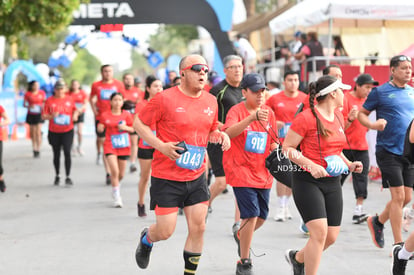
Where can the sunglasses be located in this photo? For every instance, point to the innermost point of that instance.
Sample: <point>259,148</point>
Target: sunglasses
<point>197,68</point>
<point>401,58</point>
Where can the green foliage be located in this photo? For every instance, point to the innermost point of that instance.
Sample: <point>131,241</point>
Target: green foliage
<point>35,17</point>
<point>173,39</point>
<point>85,68</point>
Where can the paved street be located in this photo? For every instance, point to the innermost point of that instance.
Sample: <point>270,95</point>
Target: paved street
<point>49,230</point>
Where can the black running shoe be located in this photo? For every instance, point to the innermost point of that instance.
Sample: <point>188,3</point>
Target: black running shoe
<point>2,186</point>
<point>237,239</point>
<point>143,252</point>
<point>397,265</point>
<point>377,231</point>
<point>244,267</point>
<point>68,182</point>
<point>141,210</point>
<point>57,180</point>
<point>357,219</point>
<point>297,268</point>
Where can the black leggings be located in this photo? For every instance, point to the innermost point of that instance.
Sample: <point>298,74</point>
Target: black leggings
<point>359,180</point>
<point>1,158</point>
<point>318,198</point>
<point>57,141</point>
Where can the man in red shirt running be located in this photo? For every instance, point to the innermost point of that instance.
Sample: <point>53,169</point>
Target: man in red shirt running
<point>186,120</point>
<point>99,99</point>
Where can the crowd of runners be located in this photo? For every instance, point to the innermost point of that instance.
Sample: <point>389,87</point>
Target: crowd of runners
<point>184,134</point>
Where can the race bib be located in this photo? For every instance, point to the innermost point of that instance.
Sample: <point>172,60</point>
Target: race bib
<point>62,119</point>
<point>192,159</point>
<point>146,144</point>
<point>283,131</point>
<point>79,105</point>
<point>120,141</point>
<point>106,94</point>
<point>256,142</point>
<point>35,109</point>
<point>336,166</point>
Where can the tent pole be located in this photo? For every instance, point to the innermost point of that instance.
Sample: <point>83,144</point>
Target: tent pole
<point>329,39</point>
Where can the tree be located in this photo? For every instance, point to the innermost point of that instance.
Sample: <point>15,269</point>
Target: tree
<point>85,68</point>
<point>35,17</point>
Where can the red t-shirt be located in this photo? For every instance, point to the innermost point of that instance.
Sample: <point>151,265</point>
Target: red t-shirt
<point>116,142</point>
<point>177,118</point>
<point>65,107</point>
<point>1,128</point>
<point>35,102</point>
<point>138,108</point>
<point>103,92</point>
<point>356,133</point>
<point>244,163</point>
<point>79,98</point>
<point>305,125</point>
<point>134,94</point>
<point>285,109</point>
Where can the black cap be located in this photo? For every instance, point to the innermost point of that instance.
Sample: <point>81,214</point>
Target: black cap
<point>60,83</point>
<point>253,81</point>
<point>365,79</point>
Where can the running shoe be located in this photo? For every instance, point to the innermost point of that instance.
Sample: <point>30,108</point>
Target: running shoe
<point>235,227</point>
<point>143,252</point>
<point>288,215</point>
<point>68,182</point>
<point>210,210</point>
<point>407,218</point>
<point>244,267</point>
<point>237,240</point>
<point>397,265</point>
<point>80,151</point>
<point>2,186</point>
<point>297,268</point>
<point>132,168</point>
<point>118,201</point>
<point>141,210</point>
<point>377,231</point>
<point>180,211</point>
<point>57,180</point>
<point>99,160</point>
<point>303,228</point>
<point>225,191</point>
<point>280,214</point>
<point>357,219</point>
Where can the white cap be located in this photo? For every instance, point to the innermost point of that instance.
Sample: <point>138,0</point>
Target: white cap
<point>337,84</point>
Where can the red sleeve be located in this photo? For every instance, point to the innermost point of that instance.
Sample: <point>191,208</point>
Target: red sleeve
<point>93,91</point>
<point>345,108</point>
<point>231,118</point>
<point>153,111</point>
<point>215,123</point>
<point>1,109</point>
<point>300,125</point>
<point>43,95</point>
<point>305,49</point>
<point>129,120</point>
<point>26,97</point>
<point>46,110</point>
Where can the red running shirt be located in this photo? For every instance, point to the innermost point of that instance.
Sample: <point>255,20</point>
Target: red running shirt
<point>244,163</point>
<point>79,98</point>
<point>356,133</point>
<point>65,107</point>
<point>103,92</point>
<point>285,109</point>
<point>1,128</point>
<point>35,101</point>
<point>138,108</point>
<point>305,125</point>
<point>178,117</point>
<point>116,142</point>
<point>134,94</point>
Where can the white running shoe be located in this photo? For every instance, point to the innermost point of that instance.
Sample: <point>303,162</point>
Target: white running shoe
<point>407,218</point>
<point>288,215</point>
<point>280,214</point>
<point>117,200</point>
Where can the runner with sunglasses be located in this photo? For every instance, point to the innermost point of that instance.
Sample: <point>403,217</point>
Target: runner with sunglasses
<point>394,105</point>
<point>184,115</point>
<point>316,184</point>
<point>247,124</point>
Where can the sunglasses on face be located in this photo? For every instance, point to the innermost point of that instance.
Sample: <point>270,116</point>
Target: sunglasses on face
<point>197,68</point>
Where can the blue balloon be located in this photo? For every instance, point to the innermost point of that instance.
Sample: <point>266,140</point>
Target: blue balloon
<point>21,66</point>
<point>155,59</point>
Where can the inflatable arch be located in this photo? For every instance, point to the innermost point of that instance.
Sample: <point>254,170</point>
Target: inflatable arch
<point>21,66</point>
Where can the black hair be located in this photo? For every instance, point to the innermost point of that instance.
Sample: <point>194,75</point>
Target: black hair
<point>148,82</point>
<point>71,83</point>
<point>30,85</point>
<point>290,73</point>
<point>314,88</point>
<point>115,94</point>
<point>396,60</point>
<point>104,66</point>
<point>327,69</point>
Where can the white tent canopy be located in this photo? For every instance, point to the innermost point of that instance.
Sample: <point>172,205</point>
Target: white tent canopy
<point>314,12</point>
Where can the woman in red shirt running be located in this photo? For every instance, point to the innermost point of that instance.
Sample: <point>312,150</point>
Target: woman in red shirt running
<point>117,124</point>
<point>33,101</point>
<point>319,131</point>
<point>81,99</point>
<point>61,111</point>
<point>145,151</point>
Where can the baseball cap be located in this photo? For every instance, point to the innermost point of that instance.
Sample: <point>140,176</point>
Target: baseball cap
<point>60,83</point>
<point>297,34</point>
<point>137,80</point>
<point>253,81</point>
<point>365,79</point>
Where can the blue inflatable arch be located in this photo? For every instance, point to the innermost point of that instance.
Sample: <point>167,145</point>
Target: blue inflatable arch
<point>21,66</point>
